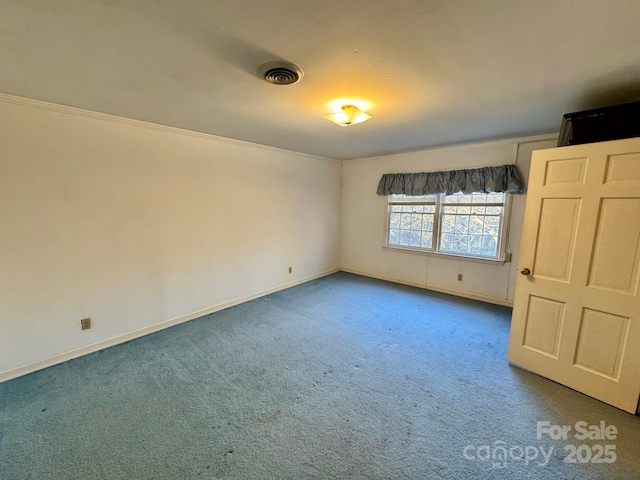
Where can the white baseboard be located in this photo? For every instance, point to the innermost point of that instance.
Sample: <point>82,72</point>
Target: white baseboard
<point>94,347</point>
<point>457,293</point>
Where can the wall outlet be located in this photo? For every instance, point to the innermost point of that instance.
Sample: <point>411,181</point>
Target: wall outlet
<point>459,277</point>
<point>290,270</point>
<point>85,323</point>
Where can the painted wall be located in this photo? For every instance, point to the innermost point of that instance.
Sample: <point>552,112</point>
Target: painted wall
<point>364,221</point>
<point>133,224</point>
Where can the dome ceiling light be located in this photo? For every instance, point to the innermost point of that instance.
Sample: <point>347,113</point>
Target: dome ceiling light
<point>348,115</point>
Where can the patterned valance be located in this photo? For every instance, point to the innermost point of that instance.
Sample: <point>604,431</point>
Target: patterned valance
<point>506,178</point>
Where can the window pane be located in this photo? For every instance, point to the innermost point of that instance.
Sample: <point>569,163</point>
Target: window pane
<point>446,242</point>
<point>459,198</point>
<point>415,238</point>
<point>410,224</point>
<point>478,198</point>
<point>427,240</point>
<point>491,226</point>
<point>410,199</point>
<point>471,230</point>
<point>462,224</point>
<point>461,243</point>
<point>416,221</point>
<point>489,246</point>
<point>476,224</point>
<point>448,223</point>
<point>427,223</point>
<point>475,244</point>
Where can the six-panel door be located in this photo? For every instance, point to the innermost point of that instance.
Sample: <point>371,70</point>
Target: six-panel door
<point>576,317</point>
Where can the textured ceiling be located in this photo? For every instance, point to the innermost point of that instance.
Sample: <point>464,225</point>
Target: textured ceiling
<point>434,72</point>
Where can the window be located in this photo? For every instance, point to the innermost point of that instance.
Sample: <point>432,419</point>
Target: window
<point>469,225</point>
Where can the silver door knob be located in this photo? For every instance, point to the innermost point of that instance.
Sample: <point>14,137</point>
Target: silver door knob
<point>525,271</point>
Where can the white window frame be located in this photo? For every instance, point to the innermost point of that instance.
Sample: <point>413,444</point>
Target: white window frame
<point>502,255</point>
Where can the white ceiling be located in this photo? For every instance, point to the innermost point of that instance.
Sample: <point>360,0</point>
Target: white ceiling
<point>434,72</point>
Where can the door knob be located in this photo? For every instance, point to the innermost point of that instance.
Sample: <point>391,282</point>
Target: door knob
<point>525,271</point>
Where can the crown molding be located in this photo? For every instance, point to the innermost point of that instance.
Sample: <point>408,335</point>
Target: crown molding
<point>463,145</point>
<point>106,117</point>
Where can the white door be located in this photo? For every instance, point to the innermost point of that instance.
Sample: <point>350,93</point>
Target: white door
<point>576,316</point>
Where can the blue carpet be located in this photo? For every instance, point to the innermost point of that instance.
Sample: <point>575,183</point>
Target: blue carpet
<point>344,377</point>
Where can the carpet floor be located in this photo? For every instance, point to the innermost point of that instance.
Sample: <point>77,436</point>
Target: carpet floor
<point>344,377</point>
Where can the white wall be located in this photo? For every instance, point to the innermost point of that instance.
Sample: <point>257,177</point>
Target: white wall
<point>133,225</point>
<point>364,221</point>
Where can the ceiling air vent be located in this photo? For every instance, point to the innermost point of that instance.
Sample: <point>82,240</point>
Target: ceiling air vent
<point>280,73</point>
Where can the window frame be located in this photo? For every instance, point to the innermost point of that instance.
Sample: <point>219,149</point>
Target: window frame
<point>503,238</point>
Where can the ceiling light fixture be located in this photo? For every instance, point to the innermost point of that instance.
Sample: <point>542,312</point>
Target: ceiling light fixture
<point>348,115</point>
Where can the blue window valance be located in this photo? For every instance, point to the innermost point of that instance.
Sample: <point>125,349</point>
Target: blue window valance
<point>506,178</point>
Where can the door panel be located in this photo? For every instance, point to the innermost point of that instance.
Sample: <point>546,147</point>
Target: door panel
<point>601,342</point>
<point>571,170</point>
<point>576,315</point>
<point>556,238</point>
<point>623,168</point>
<point>617,249</point>
<point>544,324</point>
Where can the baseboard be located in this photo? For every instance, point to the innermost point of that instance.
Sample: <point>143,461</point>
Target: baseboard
<point>94,347</point>
<point>457,293</point>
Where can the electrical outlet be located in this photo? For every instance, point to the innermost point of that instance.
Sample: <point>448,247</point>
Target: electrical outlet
<point>459,277</point>
<point>290,270</point>
<point>85,323</point>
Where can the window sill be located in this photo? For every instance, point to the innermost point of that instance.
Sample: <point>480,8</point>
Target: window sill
<point>488,261</point>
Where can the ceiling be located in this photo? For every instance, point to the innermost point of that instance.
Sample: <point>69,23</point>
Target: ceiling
<point>433,72</point>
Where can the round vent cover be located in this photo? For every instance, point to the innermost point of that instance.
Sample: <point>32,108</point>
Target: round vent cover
<point>280,73</point>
